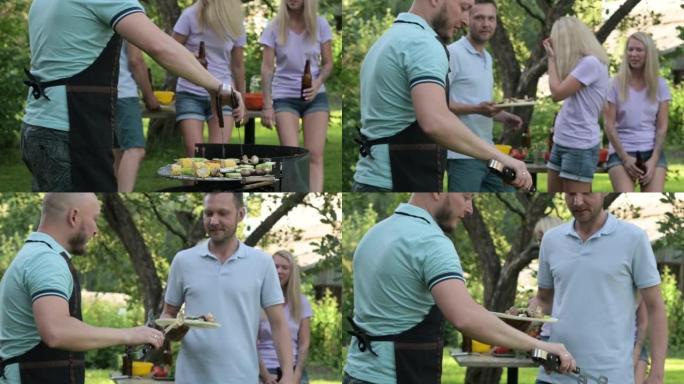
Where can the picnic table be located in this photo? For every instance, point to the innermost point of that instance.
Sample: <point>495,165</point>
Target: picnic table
<point>166,111</point>
<point>489,361</point>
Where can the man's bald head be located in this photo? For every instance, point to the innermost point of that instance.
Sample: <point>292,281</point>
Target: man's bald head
<point>70,218</point>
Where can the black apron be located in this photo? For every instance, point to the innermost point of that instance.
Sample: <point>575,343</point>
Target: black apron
<point>91,101</point>
<point>43,364</point>
<point>417,351</point>
<point>417,163</point>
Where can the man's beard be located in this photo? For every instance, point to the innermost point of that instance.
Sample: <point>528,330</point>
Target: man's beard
<point>443,219</point>
<point>440,23</point>
<point>77,243</point>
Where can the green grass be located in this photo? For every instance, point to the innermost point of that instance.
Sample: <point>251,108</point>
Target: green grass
<point>454,374</point>
<point>16,177</point>
<point>317,375</point>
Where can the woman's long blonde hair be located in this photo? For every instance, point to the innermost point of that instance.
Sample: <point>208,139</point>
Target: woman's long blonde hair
<point>310,12</point>
<point>572,40</point>
<point>651,68</point>
<point>224,17</point>
<point>293,288</point>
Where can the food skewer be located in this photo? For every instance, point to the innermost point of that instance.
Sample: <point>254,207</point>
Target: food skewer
<point>552,362</point>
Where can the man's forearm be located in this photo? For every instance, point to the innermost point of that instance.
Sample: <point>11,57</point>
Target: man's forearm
<point>488,328</point>
<point>454,135</point>
<point>658,333</point>
<point>72,334</point>
<point>283,344</point>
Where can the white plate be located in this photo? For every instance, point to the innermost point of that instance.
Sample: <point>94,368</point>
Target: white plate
<point>190,323</point>
<point>530,319</point>
<point>515,104</point>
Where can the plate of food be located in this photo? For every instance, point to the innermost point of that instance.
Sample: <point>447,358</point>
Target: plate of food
<point>524,317</point>
<point>204,321</point>
<point>525,320</point>
<point>513,102</point>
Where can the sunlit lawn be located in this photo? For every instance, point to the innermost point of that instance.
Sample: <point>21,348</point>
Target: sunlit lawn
<point>452,373</point>
<point>15,177</point>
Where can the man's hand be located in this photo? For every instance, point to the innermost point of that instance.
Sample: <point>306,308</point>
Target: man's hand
<point>268,378</point>
<point>487,108</point>
<point>268,116</point>
<point>152,104</point>
<point>523,179</point>
<point>567,361</point>
<point>511,120</point>
<point>145,335</point>
<point>177,334</point>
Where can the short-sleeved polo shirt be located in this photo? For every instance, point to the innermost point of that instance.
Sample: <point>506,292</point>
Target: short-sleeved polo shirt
<point>595,284</point>
<point>471,81</point>
<point>406,55</point>
<point>37,271</point>
<point>396,264</point>
<point>235,292</point>
<point>66,37</point>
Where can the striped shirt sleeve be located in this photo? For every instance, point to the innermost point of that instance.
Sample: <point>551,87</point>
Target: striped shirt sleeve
<point>426,62</point>
<point>48,275</point>
<point>441,262</point>
<point>112,12</point>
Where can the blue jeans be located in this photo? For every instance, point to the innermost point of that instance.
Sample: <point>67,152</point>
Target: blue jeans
<point>350,380</point>
<point>574,164</point>
<point>45,152</point>
<point>472,175</point>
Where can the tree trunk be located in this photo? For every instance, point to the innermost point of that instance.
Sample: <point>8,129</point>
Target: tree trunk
<point>288,203</point>
<point>120,220</point>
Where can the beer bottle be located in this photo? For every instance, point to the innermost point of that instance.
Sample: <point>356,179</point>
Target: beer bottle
<point>202,55</point>
<point>526,139</point>
<point>640,162</point>
<point>306,77</point>
<point>505,173</point>
<point>127,362</point>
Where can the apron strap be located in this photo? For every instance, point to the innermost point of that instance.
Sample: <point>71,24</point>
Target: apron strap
<point>365,144</point>
<point>363,339</point>
<point>38,87</point>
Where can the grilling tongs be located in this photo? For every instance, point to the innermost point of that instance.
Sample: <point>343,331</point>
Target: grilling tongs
<point>552,362</point>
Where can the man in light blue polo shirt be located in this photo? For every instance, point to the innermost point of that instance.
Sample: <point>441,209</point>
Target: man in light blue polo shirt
<point>405,120</point>
<point>42,335</point>
<point>471,82</point>
<point>235,283</point>
<point>589,272</point>
<point>406,275</point>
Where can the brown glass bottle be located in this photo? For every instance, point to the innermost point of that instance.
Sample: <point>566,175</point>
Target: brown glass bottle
<point>306,78</point>
<point>127,362</point>
<point>202,55</point>
<point>526,141</point>
<point>640,162</point>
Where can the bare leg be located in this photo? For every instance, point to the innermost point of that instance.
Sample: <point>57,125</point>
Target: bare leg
<point>554,182</point>
<point>315,134</point>
<point>192,134</point>
<point>657,183</point>
<point>215,130</point>
<point>287,124</point>
<point>640,372</point>
<point>117,158</point>
<point>620,179</point>
<point>127,172</point>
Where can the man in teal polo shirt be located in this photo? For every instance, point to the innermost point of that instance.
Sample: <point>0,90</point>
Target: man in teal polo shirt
<point>405,120</point>
<point>66,139</point>
<point>407,277</point>
<point>42,337</point>
<point>471,82</point>
<point>589,272</point>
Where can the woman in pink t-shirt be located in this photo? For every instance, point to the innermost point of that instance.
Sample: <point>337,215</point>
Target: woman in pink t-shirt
<point>298,313</point>
<point>636,119</point>
<point>297,35</point>
<point>219,25</point>
<point>578,75</point>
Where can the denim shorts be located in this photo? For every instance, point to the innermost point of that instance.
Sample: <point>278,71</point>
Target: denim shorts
<point>300,107</point>
<point>574,164</point>
<point>196,107</point>
<point>614,159</point>
<point>45,152</point>
<point>128,130</point>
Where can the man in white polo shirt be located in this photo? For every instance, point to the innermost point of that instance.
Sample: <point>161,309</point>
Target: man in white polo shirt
<point>235,283</point>
<point>470,97</point>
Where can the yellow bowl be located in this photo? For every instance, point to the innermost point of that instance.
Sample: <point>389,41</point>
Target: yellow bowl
<point>505,149</point>
<point>142,368</point>
<point>480,347</point>
<point>165,97</point>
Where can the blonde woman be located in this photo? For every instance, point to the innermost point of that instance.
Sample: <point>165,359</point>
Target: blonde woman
<point>219,24</point>
<point>578,74</point>
<point>298,34</point>
<point>298,313</point>
<point>636,118</point>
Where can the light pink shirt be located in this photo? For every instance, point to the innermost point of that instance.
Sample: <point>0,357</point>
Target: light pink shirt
<point>265,346</point>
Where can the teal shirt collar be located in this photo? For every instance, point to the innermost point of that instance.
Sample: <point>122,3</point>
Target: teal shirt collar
<point>413,210</point>
<point>42,236</point>
<point>413,18</point>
